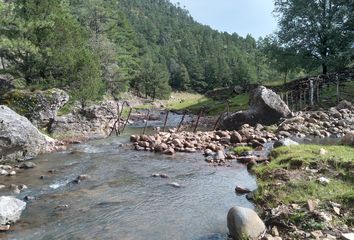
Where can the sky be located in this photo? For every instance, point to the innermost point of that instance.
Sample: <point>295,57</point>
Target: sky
<point>234,16</point>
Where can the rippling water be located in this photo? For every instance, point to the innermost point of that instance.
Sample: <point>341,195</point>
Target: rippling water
<point>121,200</point>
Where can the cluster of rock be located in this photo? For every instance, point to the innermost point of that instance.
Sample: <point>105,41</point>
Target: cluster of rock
<point>212,143</point>
<point>334,122</point>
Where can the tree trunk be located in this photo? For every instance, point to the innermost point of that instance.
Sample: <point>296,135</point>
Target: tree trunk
<point>285,76</point>
<point>324,68</point>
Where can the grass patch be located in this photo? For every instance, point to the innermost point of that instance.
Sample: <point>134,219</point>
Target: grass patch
<point>194,102</point>
<point>242,149</point>
<point>301,184</point>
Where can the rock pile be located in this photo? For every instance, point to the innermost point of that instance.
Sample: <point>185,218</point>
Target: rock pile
<point>334,122</point>
<point>212,143</point>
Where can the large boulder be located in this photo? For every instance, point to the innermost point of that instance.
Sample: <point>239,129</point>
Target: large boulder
<point>40,107</point>
<point>266,107</point>
<point>348,139</point>
<point>244,223</point>
<point>19,139</point>
<point>10,209</point>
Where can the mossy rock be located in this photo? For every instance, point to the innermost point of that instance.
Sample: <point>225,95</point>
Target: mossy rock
<point>38,106</point>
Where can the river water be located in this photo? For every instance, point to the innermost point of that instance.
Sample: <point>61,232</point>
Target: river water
<point>121,200</point>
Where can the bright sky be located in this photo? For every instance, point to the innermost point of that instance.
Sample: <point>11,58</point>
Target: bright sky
<point>239,16</point>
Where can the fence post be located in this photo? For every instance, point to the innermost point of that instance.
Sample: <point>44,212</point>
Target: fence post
<point>218,120</point>
<point>180,123</point>
<point>147,119</point>
<point>164,124</point>
<point>126,121</point>
<point>197,123</point>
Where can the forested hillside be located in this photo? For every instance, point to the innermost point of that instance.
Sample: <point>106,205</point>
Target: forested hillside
<point>97,47</point>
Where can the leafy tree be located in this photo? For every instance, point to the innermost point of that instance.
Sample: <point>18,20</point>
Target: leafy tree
<point>153,80</point>
<point>283,59</point>
<point>322,29</point>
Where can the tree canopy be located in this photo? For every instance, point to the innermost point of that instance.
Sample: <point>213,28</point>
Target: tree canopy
<point>320,29</point>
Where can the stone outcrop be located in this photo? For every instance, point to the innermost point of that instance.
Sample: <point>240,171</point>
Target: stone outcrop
<point>244,223</point>
<point>10,209</point>
<point>266,107</point>
<point>19,139</point>
<point>40,107</point>
<point>94,121</point>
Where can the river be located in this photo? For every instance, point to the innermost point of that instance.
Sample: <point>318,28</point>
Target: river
<point>121,200</point>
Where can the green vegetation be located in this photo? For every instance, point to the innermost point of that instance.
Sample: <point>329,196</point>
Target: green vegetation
<point>95,48</point>
<point>329,93</point>
<point>289,179</point>
<point>319,31</point>
<point>242,149</point>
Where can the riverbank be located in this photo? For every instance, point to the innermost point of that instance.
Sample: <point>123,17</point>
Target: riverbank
<point>306,192</point>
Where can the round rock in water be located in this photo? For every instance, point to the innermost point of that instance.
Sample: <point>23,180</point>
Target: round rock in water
<point>10,209</point>
<point>244,222</point>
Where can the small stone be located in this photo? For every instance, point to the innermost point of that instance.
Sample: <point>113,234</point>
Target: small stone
<point>29,198</point>
<point>169,151</point>
<point>312,204</point>
<point>175,185</point>
<point>22,187</point>
<point>317,234</point>
<point>12,173</point>
<point>242,190</point>
<point>3,172</point>
<point>325,216</point>
<point>323,151</point>
<point>62,207</point>
<point>336,210</point>
<point>83,177</point>
<point>295,206</point>
<point>330,237</point>
<point>275,231</point>
<point>27,165</point>
<point>2,187</point>
<point>4,228</point>
<point>323,180</point>
<point>6,167</point>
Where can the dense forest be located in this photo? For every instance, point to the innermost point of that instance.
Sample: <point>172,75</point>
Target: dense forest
<point>97,47</point>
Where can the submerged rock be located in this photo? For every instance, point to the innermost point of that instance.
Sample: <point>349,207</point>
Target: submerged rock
<point>244,222</point>
<point>266,107</point>
<point>19,139</point>
<point>10,209</point>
